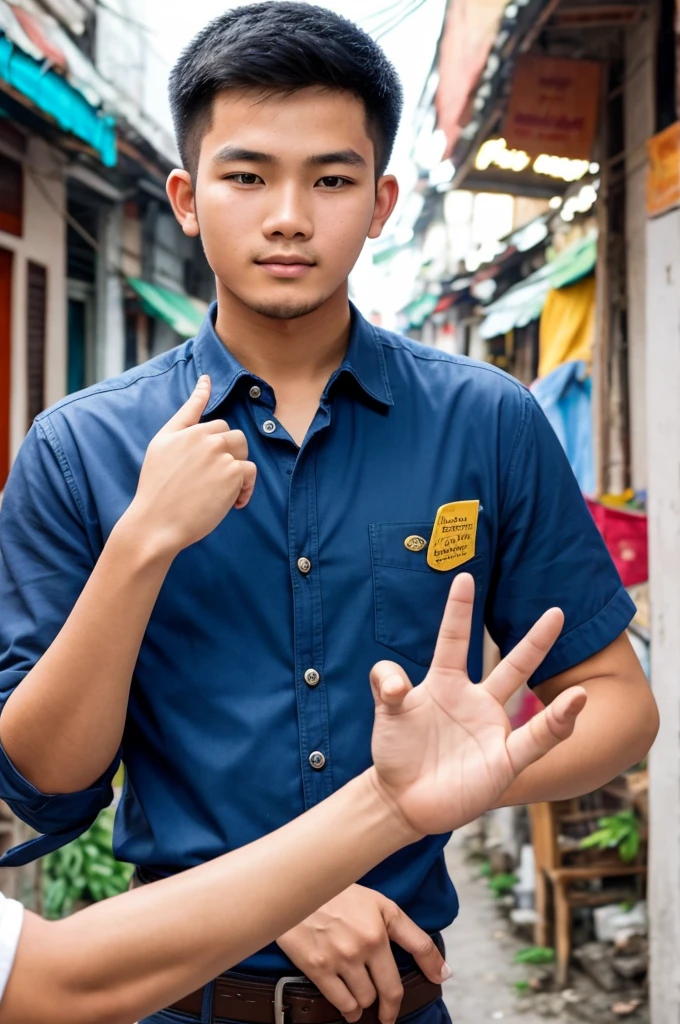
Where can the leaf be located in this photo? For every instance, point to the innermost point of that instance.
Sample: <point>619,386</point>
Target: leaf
<point>628,849</point>
<point>535,955</point>
<point>502,883</point>
<point>522,986</point>
<point>599,838</point>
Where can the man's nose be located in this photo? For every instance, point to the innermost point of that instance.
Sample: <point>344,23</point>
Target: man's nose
<point>289,215</point>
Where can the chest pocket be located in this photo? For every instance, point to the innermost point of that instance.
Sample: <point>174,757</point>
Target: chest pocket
<point>410,596</point>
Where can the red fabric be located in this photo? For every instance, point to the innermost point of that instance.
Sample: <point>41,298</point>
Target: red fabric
<point>38,36</point>
<point>625,534</point>
<point>469,32</point>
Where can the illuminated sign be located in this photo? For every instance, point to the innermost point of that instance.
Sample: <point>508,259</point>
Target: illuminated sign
<point>495,152</point>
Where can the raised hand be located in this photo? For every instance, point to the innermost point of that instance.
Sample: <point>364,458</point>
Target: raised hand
<point>444,751</point>
<point>193,474</point>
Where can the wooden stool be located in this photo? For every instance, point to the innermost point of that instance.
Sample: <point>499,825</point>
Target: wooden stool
<point>551,871</point>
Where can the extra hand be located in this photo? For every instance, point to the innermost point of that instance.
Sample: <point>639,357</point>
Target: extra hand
<point>444,751</point>
<point>344,948</point>
<point>193,474</point>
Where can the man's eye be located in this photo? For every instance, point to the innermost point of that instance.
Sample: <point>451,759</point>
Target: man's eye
<point>333,181</point>
<point>244,179</point>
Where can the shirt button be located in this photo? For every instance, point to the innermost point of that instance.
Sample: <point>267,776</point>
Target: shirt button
<point>304,565</point>
<point>269,426</point>
<point>312,677</point>
<point>255,392</point>
<point>317,760</point>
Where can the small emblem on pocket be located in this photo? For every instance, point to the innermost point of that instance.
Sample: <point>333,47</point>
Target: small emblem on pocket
<point>454,536</point>
<point>415,543</point>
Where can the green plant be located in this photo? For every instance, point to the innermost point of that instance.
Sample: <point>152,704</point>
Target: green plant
<point>502,883</point>
<point>522,986</point>
<point>535,955</point>
<point>84,870</point>
<point>619,831</point>
<point>485,869</point>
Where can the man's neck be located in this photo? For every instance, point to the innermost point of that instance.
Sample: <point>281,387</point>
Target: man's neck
<point>304,351</point>
<point>295,357</point>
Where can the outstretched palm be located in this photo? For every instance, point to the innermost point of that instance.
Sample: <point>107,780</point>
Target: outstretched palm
<point>444,751</point>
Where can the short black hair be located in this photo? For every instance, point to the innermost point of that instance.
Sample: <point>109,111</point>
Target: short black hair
<point>282,46</point>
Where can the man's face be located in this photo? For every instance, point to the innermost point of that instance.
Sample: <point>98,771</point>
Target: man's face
<point>285,197</point>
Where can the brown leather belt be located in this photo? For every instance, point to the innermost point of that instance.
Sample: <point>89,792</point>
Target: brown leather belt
<point>292,1001</point>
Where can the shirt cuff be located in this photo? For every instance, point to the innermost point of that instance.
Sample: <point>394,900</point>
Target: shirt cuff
<point>591,637</point>
<point>61,816</point>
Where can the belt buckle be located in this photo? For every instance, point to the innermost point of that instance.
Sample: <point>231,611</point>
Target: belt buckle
<point>279,1009</point>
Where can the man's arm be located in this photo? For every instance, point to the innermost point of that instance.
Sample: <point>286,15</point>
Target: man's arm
<point>442,755</point>
<point>62,726</point>
<point>616,729</point>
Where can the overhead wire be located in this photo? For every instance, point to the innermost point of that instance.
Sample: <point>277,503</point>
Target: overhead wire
<point>401,20</point>
<point>393,8</point>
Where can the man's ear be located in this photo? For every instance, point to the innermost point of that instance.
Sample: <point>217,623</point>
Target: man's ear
<point>386,195</point>
<point>183,201</point>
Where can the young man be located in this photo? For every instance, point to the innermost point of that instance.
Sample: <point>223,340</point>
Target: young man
<point>224,658</point>
<point>443,753</point>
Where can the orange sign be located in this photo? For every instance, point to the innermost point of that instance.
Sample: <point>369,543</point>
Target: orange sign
<point>553,107</point>
<point>663,171</point>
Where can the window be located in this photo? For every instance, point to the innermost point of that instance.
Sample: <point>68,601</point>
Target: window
<point>11,195</point>
<point>36,322</point>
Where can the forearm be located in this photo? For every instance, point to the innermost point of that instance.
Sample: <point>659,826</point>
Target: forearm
<point>63,725</point>
<point>613,732</point>
<point>120,960</point>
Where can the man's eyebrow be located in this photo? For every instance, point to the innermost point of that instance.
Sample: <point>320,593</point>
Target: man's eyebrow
<point>230,154</point>
<point>349,157</point>
<point>234,154</point>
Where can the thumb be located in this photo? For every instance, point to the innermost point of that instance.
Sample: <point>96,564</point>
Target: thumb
<point>390,685</point>
<point>190,413</point>
<point>406,933</point>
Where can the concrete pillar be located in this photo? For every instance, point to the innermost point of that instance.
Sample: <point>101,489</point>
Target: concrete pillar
<point>640,54</point>
<point>110,325</point>
<point>663,466</point>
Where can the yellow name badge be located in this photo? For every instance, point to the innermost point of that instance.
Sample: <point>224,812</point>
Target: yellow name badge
<point>454,535</point>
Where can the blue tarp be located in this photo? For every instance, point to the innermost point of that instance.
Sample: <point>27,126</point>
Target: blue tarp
<point>56,97</point>
<point>565,397</point>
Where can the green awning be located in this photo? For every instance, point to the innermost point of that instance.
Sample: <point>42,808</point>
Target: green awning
<point>574,263</point>
<point>59,99</point>
<point>525,300</point>
<point>418,311</point>
<point>184,314</point>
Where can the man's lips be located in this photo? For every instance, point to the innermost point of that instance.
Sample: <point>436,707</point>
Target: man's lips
<point>285,266</point>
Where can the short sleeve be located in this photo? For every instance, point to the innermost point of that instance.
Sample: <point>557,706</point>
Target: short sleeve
<point>551,554</point>
<point>11,923</point>
<point>46,557</point>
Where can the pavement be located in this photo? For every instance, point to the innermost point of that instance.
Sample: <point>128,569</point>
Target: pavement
<point>480,949</point>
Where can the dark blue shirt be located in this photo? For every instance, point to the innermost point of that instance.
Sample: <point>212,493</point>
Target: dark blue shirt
<point>224,714</point>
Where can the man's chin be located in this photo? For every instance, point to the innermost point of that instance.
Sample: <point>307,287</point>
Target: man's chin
<point>288,310</point>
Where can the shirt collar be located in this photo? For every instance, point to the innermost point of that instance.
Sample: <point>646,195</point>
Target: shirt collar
<point>364,360</point>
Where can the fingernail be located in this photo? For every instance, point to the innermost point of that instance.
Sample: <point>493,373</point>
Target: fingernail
<point>446,972</point>
<point>203,379</point>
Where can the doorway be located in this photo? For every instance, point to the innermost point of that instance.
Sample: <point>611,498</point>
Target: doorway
<point>5,360</point>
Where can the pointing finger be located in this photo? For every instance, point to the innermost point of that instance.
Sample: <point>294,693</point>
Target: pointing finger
<point>192,410</point>
<point>451,652</point>
<point>547,729</point>
<point>521,663</point>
